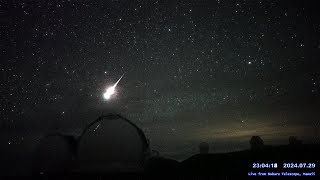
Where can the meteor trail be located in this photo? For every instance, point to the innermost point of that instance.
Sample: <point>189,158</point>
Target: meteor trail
<point>118,81</point>
<point>107,95</point>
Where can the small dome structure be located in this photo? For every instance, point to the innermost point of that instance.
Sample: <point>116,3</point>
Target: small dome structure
<point>204,148</point>
<point>256,143</point>
<point>294,140</point>
<point>112,144</point>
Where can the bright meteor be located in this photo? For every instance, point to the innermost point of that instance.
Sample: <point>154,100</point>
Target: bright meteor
<point>110,91</point>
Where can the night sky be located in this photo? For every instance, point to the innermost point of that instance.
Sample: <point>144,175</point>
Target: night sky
<point>215,71</point>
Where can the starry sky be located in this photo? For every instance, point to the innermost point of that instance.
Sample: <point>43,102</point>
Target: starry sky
<point>215,71</point>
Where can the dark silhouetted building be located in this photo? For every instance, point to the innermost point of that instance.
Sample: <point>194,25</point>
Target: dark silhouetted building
<point>112,144</point>
<point>256,143</point>
<point>204,148</point>
<point>294,141</point>
<point>54,154</point>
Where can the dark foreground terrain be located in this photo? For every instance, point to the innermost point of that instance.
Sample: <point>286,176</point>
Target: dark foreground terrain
<point>289,158</point>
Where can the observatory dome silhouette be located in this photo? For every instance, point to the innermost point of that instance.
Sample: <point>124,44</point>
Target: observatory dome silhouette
<point>54,154</point>
<point>204,148</point>
<point>112,144</point>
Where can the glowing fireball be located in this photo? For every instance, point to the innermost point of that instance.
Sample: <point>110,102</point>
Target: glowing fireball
<point>111,90</point>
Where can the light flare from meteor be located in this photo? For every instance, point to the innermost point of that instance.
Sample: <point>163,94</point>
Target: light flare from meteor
<point>111,90</point>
